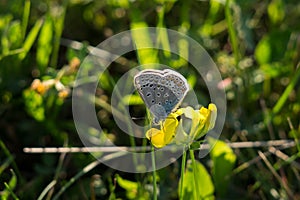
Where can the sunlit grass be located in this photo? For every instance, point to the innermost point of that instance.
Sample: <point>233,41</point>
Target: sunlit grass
<point>253,43</point>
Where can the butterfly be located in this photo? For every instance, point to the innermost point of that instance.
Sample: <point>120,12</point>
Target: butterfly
<point>161,90</point>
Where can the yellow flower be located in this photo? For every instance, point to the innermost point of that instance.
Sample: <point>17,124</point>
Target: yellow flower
<point>202,121</point>
<point>162,137</point>
<point>207,120</point>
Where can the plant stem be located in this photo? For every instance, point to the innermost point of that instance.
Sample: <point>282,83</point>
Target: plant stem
<point>59,26</point>
<point>196,192</point>
<point>26,13</point>
<point>154,173</point>
<point>281,101</point>
<point>183,161</point>
<point>122,107</point>
<point>232,32</point>
<point>9,156</point>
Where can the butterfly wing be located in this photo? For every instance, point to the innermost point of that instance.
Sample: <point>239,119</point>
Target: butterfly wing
<point>161,90</point>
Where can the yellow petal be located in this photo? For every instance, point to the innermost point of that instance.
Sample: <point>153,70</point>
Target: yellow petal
<point>169,127</point>
<point>194,116</point>
<point>207,119</point>
<point>156,137</point>
<point>189,112</point>
<point>178,112</point>
<point>181,137</point>
<point>208,116</point>
<point>213,116</point>
<point>160,138</point>
<point>151,132</point>
<point>170,122</point>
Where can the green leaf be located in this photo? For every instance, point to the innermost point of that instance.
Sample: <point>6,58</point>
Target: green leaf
<point>141,38</point>
<point>130,187</point>
<point>276,11</point>
<point>44,47</point>
<point>9,187</point>
<point>223,162</point>
<point>31,37</point>
<point>104,81</point>
<point>34,104</point>
<point>205,186</point>
<point>132,100</point>
<point>5,163</point>
<point>275,69</point>
<point>234,40</point>
<point>5,20</point>
<point>183,47</point>
<point>112,188</point>
<point>25,18</point>
<point>59,19</point>
<point>272,47</point>
<point>263,51</point>
<point>13,181</point>
<point>119,3</point>
<point>195,145</point>
<point>4,25</point>
<point>14,37</point>
<point>11,38</point>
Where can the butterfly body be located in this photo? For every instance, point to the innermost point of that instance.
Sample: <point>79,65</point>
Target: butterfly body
<point>161,90</point>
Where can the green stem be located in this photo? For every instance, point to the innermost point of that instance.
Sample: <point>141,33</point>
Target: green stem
<point>281,101</point>
<point>183,161</point>
<point>7,153</point>
<point>25,18</point>
<point>11,192</point>
<point>232,32</point>
<point>56,176</point>
<point>127,119</point>
<point>154,173</point>
<point>59,26</point>
<point>196,192</point>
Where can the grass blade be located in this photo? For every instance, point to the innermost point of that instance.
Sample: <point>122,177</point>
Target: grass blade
<point>232,31</point>
<point>25,18</point>
<point>280,103</point>
<point>31,38</point>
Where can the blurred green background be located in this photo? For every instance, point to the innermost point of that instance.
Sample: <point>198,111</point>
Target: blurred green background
<point>255,44</point>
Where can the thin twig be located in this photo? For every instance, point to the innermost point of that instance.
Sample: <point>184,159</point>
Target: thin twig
<point>284,157</point>
<point>105,55</point>
<point>47,189</point>
<point>85,170</point>
<point>57,171</point>
<point>247,164</point>
<point>256,144</point>
<point>275,174</point>
<point>293,133</point>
